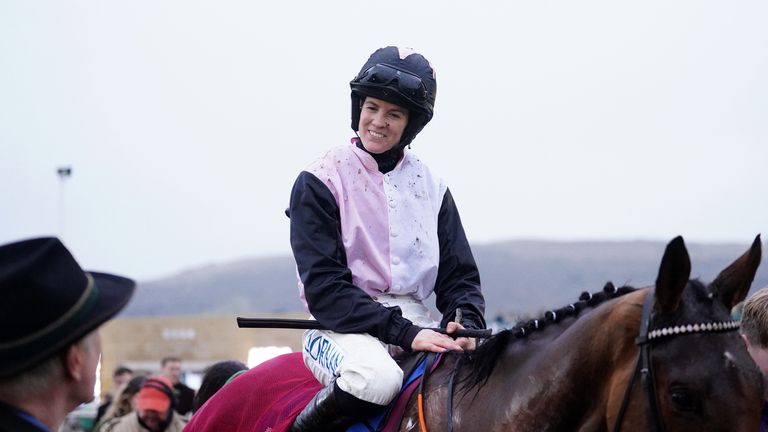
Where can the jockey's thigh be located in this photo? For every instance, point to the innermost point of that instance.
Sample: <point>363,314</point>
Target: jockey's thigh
<point>361,362</point>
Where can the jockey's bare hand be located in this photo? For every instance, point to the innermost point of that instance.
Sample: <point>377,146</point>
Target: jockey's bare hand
<point>430,340</point>
<point>467,344</point>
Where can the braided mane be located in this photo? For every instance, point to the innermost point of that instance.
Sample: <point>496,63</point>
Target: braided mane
<point>483,360</point>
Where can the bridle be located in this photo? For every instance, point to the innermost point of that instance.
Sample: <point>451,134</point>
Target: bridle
<point>643,367</point>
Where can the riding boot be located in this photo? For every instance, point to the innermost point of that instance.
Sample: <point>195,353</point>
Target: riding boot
<point>332,410</point>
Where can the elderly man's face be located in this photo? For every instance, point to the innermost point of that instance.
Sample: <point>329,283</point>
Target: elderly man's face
<point>88,351</point>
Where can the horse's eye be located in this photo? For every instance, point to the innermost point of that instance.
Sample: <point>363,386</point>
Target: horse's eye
<point>685,399</point>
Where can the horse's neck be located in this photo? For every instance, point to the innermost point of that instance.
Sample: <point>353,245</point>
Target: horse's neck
<point>565,375</point>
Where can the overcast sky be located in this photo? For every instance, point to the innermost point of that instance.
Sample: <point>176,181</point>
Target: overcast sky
<point>186,122</point>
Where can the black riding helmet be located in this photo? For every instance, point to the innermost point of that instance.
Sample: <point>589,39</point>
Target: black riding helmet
<point>400,76</point>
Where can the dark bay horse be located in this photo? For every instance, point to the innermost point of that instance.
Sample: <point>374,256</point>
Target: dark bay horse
<point>662,358</point>
<point>575,372</point>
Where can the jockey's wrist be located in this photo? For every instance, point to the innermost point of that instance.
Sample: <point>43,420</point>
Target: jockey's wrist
<point>473,322</point>
<point>470,325</point>
<point>408,336</point>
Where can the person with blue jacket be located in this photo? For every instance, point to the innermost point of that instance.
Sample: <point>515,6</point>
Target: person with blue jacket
<point>374,233</point>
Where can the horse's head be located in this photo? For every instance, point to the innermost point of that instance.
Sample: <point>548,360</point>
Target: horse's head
<point>704,378</point>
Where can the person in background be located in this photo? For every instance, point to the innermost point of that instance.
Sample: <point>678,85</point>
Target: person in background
<point>754,332</point>
<point>124,403</point>
<point>374,233</point>
<point>154,410</point>
<point>214,378</point>
<point>50,314</point>
<point>120,377</point>
<point>170,367</point>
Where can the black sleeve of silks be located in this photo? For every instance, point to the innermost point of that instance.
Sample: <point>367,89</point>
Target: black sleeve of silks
<point>458,280</point>
<point>321,260</point>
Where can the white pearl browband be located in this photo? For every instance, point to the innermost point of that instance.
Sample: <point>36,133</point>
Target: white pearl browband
<point>693,328</point>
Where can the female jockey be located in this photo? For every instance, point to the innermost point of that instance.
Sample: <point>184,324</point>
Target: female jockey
<point>374,233</point>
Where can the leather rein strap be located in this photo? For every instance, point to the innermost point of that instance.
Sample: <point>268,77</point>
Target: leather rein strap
<point>429,363</point>
<point>644,369</point>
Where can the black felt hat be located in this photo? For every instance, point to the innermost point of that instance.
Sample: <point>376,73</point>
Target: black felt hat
<point>47,302</point>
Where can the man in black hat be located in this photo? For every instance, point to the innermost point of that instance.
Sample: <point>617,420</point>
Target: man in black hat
<point>50,312</point>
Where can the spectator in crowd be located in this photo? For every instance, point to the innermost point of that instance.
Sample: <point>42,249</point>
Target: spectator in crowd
<point>50,314</point>
<point>154,409</point>
<point>124,403</point>
<point>170,367</point>
<point>120,377</point>
<point>214,378</point>
<point>754,331</point>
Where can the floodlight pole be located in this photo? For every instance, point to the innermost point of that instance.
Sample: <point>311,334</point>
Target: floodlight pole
<point>64,172</point>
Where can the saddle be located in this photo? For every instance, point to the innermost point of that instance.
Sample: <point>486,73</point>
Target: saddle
<point>415,368</point>
<point>268,398</point>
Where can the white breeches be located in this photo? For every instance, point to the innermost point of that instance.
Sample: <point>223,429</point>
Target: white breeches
<point>363,365</point>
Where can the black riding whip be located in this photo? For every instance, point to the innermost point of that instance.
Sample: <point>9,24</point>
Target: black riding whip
<point>286,323</point>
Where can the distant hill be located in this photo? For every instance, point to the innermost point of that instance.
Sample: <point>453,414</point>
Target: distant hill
<point>518,277</point>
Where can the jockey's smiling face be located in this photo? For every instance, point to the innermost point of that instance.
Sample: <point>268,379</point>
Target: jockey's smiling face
<point>381,124</point>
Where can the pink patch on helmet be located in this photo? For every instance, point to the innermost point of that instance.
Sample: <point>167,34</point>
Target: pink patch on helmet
<point>406,51</point>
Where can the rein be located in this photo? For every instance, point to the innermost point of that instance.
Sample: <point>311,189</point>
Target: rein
<point>643,366</point>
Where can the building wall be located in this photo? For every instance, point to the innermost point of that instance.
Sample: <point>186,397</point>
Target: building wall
<point>141,342</point>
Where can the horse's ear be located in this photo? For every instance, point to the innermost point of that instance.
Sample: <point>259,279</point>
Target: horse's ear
<point>732,284</point>
<point>674,271</point>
